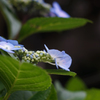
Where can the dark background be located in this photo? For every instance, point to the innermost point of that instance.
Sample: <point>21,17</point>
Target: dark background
<point>82,44</point>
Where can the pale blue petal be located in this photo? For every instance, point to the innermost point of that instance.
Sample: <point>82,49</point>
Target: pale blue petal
<point>62,59</point>
<point>62,13</point>
<point>46,47</point>
<point>9,51</point>
<point>56,63</point>
<point>52,10</point>
<point>55,53</point>
<point>14,42</point>
<point>2,39</point>
<point>14,48</point>
<point>56,5</point>
<point>58,11</point>
<point>64,63</point>
<point>8,47</point>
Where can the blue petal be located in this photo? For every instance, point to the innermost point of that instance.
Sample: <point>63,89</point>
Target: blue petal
<point>56,63</point>
<point>64,62</point>
<point>14,42</point>
<point>58,11</point>
<point>56,5</point>
<point>62,14</point>
<point>14,48</point>
<point>46,47</point>
<point>8,47</point>
<point>2,39</point>
<point>9,51</point>
<point>62,59</point>
<point>55,53</point>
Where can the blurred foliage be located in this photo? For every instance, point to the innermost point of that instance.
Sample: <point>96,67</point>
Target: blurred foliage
<point>64,94</point>
<point>49,94</point>
<point>13,24</point>
<point>78,84</point>
<point>20,95</point>
<point>76,90</point>
<point>93,94</point>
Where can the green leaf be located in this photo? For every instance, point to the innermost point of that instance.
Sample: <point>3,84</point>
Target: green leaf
<point>2,90</point>
<point>64,94</point>
<point>22,76</point>
<point>49,94</point>
<point>93,94</point>
<point>50,24</point>
<point>4,53</point>
<point>60,72</point>
<point>20,95</point>
<point>78,84</point>
<point>13,24</point>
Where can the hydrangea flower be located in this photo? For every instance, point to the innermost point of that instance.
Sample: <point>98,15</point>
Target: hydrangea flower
<point>13,42</point>
<point>62,59</point>
<point>8,47</point>
<point>56,9</point>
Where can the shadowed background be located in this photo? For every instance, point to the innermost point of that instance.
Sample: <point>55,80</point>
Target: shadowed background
<point>82,44</point>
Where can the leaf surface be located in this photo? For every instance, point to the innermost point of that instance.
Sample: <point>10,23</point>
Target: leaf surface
<point>60,72</point>
<point>79,84</point>
<point>20,95</point>
<point>93,94</point>
<point>22,76</point>
<point>49,94</point>
<point>64,94</point>
<point>36,25</point>
<point>13,24</point>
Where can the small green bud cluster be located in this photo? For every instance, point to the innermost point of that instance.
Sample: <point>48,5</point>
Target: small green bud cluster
<point>31,6</point>
<point>20,53</point>
<point>32,56</point>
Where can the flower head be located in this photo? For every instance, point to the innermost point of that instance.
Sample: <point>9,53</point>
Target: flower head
<point>8,47</point>
<point>56,9</point>
<point>13,42</point>
<point>62,59</point>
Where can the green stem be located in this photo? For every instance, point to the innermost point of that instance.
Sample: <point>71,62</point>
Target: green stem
<point>6,96</point>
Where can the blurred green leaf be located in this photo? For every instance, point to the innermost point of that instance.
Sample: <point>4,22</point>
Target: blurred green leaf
<point>22,76</point>
<point>93,94</point>
<point>60,72</point>
<point>50,24</point>
<point>63,94</point>
<point>20,95</point>
<point>2,90</point>
<point>4,53</point>
<point>49,94</point>
<point>13,24</point>
<point>78,84</point>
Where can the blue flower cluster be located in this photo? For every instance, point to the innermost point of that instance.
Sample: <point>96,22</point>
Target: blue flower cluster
<point>62,59</point>
<point>56,9</point>
<point>52,56</point>
<point>9,45</point>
